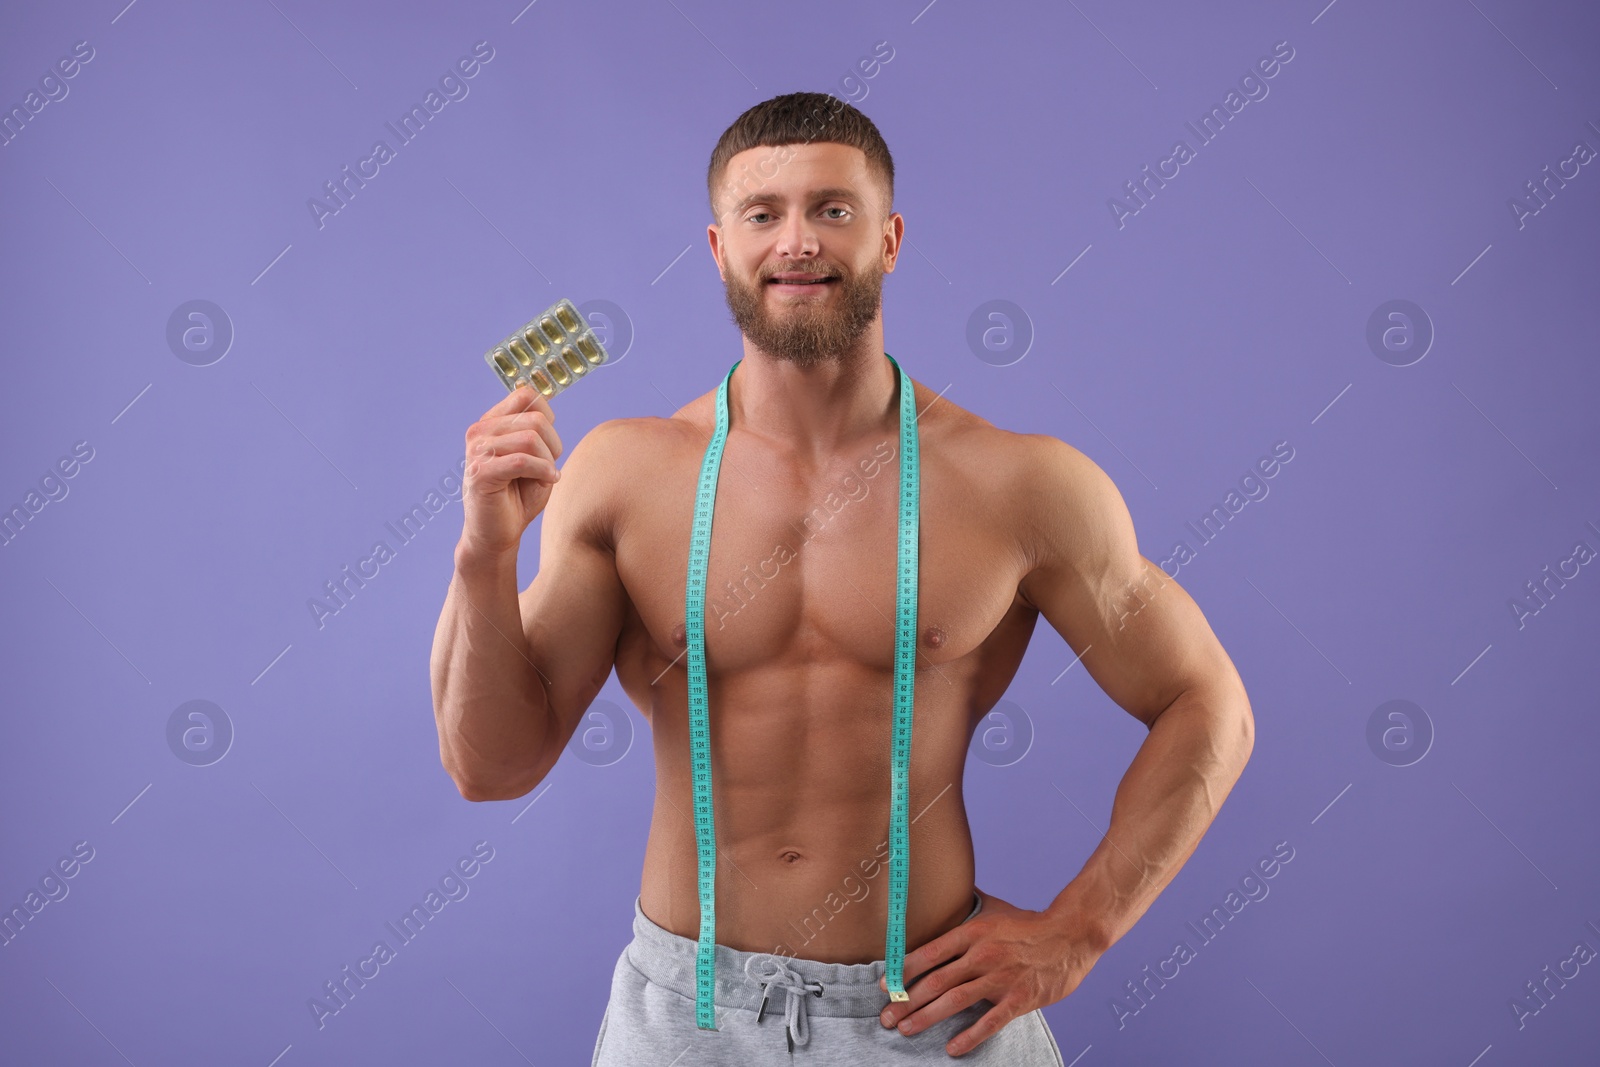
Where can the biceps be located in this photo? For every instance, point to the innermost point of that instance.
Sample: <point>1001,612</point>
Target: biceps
<point>572,614</point>
<point>1142,637</point>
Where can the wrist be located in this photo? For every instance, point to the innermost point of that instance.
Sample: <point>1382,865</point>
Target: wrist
<point>473,559</point>
<point>1082,921</point>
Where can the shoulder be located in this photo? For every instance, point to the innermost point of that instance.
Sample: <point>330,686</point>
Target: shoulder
<point>618,462</point>
<point>615,449</point>
<point>969,440</point>
<point>601,472</point>
<point>1065,514</point>
<point>1041,474</point>
<point>1059,479</point>
<point>1073,522</point>
<point>1054,504</point>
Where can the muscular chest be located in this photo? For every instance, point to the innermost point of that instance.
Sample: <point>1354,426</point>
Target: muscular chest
<point>802,565</point>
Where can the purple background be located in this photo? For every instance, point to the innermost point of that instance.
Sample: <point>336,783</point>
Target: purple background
<point>1228,315</point>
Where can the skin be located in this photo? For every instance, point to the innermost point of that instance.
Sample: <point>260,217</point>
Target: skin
<point>800,664</point>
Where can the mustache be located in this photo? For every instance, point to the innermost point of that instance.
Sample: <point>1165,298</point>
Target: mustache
<point>825,273</point>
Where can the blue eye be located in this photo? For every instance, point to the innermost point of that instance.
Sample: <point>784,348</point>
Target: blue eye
<point>763,214</point>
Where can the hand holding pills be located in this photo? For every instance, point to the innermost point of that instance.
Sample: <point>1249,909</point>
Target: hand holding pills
<point>511,468</point>
<point>512,450</point>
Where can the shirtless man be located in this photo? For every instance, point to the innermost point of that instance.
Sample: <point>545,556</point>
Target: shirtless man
<point>799,626</point>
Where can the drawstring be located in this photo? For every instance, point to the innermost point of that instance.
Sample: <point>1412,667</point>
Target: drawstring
<point>772,971</point>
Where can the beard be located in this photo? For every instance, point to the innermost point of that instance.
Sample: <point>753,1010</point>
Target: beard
<point>809,331</point>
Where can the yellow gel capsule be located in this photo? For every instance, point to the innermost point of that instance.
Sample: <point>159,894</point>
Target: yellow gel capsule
<point>505,365</point>
<point>542,383</point>
<point>531,338</point>
<point>568,319</point>
<point>590,350</point>
<point>575,361</point>
<point>520,351</point>
<point>551,330</point>
<point>558,371</point>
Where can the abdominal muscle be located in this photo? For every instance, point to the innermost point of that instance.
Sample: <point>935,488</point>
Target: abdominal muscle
<point>800,781</point>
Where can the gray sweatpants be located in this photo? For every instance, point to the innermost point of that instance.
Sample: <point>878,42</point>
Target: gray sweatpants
<point>827,1013</point>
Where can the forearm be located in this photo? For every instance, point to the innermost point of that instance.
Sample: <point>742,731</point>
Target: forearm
<point>1169,796</point>
<point>490,707</point>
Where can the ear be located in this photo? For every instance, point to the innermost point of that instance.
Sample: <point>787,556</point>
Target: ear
<point>714,237</point>
<point>894,236</point>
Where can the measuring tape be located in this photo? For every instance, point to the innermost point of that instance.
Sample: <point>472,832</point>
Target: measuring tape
<point>905,651</point>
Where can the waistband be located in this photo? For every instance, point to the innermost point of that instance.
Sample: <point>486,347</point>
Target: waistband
<point>848,990</point>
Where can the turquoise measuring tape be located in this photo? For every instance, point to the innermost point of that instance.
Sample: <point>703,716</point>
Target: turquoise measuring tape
<point>905,652</point>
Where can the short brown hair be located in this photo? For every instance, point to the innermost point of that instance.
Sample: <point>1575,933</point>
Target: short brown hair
<point>801,118</point>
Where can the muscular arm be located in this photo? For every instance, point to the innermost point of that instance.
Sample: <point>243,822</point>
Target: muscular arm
<point>1146,643</point>
<point>512,674</point>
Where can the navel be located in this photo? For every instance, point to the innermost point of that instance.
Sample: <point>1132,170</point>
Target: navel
<point>789,855</point>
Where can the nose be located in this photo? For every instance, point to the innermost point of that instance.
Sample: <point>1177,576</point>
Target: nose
<point>797,237</point>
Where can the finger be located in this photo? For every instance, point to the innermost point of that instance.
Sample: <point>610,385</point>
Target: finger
<point>947,946</point>
<point>538,402</point>
<point>531,419</point>
<point>531,442</point>
<point>934,991</point>
<point>930,987</point>
<point>517,399</point>
<point>502,470</point>
<point>522,398</point>
<point>989,1024</point>
<point>522,443</point>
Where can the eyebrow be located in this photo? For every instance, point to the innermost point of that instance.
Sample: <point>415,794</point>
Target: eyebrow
<point>833,192</point>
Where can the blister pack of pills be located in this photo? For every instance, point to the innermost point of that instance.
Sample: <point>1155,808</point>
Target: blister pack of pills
<point>552,351</point>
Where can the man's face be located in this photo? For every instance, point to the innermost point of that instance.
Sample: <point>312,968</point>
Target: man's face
<point>818,221</point>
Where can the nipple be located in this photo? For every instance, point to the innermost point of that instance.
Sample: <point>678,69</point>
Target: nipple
<point>680,636</point>
<point>934,637</point>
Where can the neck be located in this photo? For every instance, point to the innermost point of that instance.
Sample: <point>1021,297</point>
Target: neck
<point>814,411</point>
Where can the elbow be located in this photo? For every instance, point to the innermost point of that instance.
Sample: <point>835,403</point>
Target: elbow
<point>476,791</point>
<point>1227,704</point>
<point>479,788</point>
<point>1244,728</point>
<point>480,777</point>
<point>470,788</point>
<point>479,791</point>
<point>1229,724</point>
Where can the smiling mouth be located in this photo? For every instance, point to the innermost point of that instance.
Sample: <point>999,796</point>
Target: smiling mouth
<point>797,283</point>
